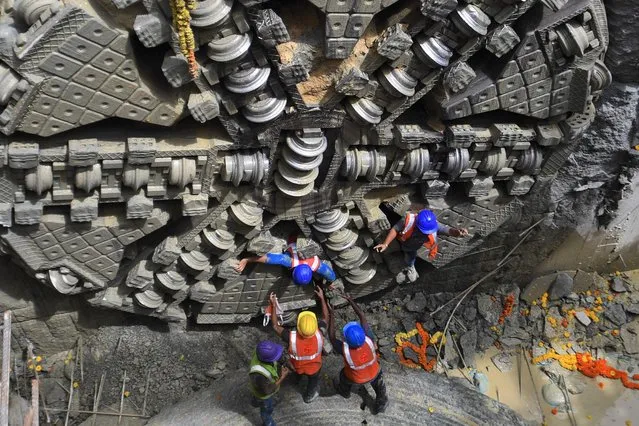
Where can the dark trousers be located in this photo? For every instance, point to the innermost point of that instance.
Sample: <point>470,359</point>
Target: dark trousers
<point>313,384</point>
<point>344,388</point>
<point>266,410</point>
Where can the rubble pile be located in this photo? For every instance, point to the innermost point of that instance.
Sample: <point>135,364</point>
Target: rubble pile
<point>572,324</point>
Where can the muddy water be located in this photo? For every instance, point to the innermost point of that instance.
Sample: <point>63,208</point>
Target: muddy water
<point>609,405</point>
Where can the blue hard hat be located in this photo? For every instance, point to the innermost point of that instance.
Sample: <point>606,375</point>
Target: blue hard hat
<point>302,274</point>
<point>268,351</point>
<point>427,222</point>
<point>354,334</point>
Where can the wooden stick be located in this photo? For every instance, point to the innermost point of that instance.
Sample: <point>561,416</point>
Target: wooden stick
<point>532,379</point>
<point>81,351</point>
<point>66,420</point>
<point>35,403</point>
<point>480,251</point>
<point>6,368</point>
<point>62,386</point>
<point>122,396</point>
<point>37,376</point>
<point>100,413</point>
<point>146,391</point>
<point>96,404</point>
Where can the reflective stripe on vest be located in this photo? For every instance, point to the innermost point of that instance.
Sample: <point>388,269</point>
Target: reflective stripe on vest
<point>261,370</point>
<point>409,225</point>
<point>347,354</point>
<point>313,262</point>
<point>293,346</point>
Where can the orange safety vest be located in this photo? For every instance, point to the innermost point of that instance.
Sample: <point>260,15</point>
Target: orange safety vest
<point>314,262</point>
<point>305,352</point>
<point>360,364</point>
<point>409,226</point>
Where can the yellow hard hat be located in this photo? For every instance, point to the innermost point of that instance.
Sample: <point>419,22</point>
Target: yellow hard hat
<point>306,323</point>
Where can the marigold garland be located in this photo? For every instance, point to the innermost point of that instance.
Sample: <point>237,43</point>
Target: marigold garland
<point>403,343</point>
<point>588,366</point>
<point>182,24</point>
<point>508,308</point>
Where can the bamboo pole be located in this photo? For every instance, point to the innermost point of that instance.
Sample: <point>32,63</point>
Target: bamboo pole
<point>6,369</point>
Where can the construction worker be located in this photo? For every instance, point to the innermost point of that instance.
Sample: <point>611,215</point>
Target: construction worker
<point>361,363</point>
<point>413,232</point>
<point>302,268</point>
<point>265,377</point>
<point>305,344</point>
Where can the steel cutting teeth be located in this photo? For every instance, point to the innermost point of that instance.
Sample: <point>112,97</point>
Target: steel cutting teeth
<point>196,260</point>
<point>364,111</point>
<point>264,110</point>
<point>149,298</point>
<point>229,48</point>
<point>432,51</point>
<point>295,176</point>
<point>247,80</point>
<point>208,13</point>
<point>369,163</point>
<point>65,283</point>
<point>330,220</point>
<point>170,280</point>
<point>363,274</point>
<point>292,189</point>
<point>417,162</point>
<point>246,214</point>
<point>530,160</point>
<point>301,163</point>
<point>396,81</point>
<point>245,168</point>
<point>341,240</point>
<point>458,160</point>
<point>352,257</point>
<point>493,161</point>
<point>218,238</point>
<point>306,146</point>
<point>471,20</point>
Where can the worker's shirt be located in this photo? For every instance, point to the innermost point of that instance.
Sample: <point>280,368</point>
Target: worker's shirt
<point>261,384</point>
<point>286,333</point>
<point>284,259</point>
<point>338,345</point>
<point>417,238</point>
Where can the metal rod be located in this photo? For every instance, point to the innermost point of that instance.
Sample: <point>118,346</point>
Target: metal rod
<point>6,368</point>
<point>100,413</point>
<point>521,234</point>
<point>122,396</point>
<point>146,391</point>
<point>463,296</point>
<point>480,251</point>
<point>35,403</point>
<point>515,248</point>
<point>532,379</point>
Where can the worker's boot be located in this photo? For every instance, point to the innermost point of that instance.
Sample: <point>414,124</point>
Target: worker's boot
<point>411,274</point>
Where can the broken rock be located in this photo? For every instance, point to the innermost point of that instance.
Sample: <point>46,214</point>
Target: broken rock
<point>417,304</point>
<point>630,336</point>
<point>537,287</point>
<point>553,395</point>
<point>561,286</point>
<point>488,309</point>
<point>615,313</point>
<point>618,285</point>
<point>583,318</point>
<point>468,343</point>
<point>503,361</point>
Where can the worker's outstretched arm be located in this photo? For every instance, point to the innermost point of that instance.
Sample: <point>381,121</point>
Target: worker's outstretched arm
<point>326,272</point>
<point>392,234</point>
<point>257,259</point>
<point>358,311</point>
<point>283,373</point>
<point>320,296</point>
<point>276,326</point>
